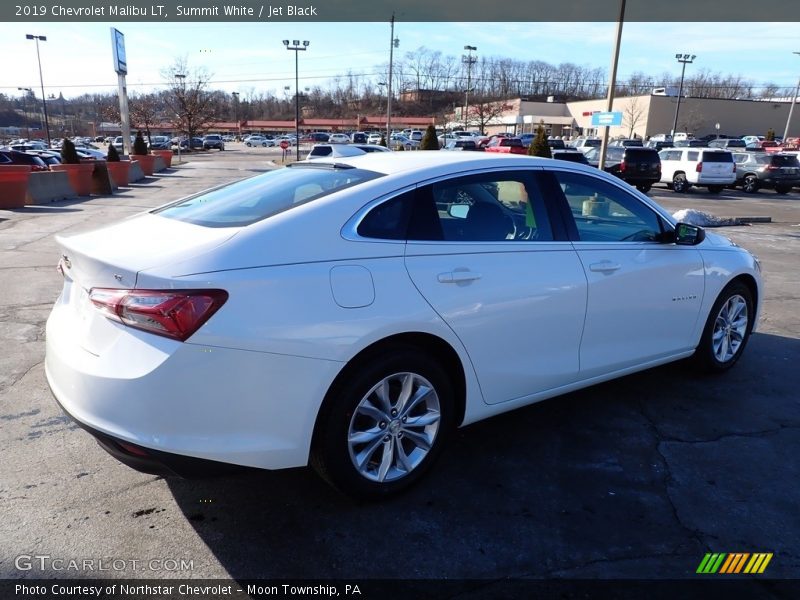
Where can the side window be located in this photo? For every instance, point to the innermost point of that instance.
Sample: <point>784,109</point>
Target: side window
<point>692,156</point>
<point>389,220</point>
<point>605,213</point>
<point>493,207</point>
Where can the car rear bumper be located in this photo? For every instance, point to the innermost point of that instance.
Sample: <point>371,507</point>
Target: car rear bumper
<point>253,409</point>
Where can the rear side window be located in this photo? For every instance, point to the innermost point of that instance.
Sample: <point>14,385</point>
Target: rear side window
<point>252,200</point>
<point>389,220</point>
<point>692,156</point>
<point>718,157</point>
<point>641,155</point>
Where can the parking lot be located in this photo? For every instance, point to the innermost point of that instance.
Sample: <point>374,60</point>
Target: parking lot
<point>636,478</point>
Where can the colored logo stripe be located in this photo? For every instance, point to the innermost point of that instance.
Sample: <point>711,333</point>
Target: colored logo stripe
<point>724,563</point>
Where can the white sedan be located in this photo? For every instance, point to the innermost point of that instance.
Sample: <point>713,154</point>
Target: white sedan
<point>350,313</point>
<point>339,138</point>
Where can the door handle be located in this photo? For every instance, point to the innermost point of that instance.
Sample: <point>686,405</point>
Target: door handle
<point>605,266</point>
<point>458,276</point>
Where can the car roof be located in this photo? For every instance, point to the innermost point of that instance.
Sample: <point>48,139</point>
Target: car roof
<point>390,163</point>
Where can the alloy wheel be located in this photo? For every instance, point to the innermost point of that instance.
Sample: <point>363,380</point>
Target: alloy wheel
<point>394,427</point>
<point>730,328</point>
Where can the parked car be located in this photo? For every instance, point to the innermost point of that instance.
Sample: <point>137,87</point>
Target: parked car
<point>196,144</point>
<point>756,170</point>
<point>506,145</point>
<point>358,137</point>
<point>160,142</point>
<point>682,168</point>
<point>752,139</point>
<point>569,154</point>
<point>586,144</point>
<point>212,141</point>
<point>658,145</point>
<point>379,348</point>
<point>640,167</point>
<point>627,142</point>
<point>318,136</point>
<point>338,150</point>
<point>462,144</point>
<point>416,135</point>
<point>398,139</point>
<point>727,144</point>
<point>258,140</point>
<point>554,144</point>
<point>374,138</point>
<point>49,157</point>
<point>692,143</point>
<point>338,138</point>
<point>15,157</point>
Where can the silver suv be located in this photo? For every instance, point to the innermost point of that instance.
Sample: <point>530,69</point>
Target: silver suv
<point>755,170</point>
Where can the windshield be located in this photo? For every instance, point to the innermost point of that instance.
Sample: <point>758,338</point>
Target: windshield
<point>251,200</point>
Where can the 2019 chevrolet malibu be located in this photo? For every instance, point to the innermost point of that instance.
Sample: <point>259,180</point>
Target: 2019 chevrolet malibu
<point>350,314</point>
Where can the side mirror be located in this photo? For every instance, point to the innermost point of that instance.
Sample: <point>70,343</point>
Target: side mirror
<point>458,211</point>
<point>689,235</point>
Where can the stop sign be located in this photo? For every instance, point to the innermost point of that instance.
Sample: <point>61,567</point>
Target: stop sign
<point>284,144</point>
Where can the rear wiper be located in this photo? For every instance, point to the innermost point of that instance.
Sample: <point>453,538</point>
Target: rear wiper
<point>320,165</point>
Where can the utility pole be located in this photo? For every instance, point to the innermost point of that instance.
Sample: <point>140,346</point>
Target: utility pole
<point>468,60</point>
<point>612,83</point>
<point>25,110</point>
<point>41,81</point>
<point>791,108</point>
<point>393,43</point>
<point>685,59</point>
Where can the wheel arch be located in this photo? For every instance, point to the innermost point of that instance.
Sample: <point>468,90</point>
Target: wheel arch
<point>750,282</point>
<point>426,342</point>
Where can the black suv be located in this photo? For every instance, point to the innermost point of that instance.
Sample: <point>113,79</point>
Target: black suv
<point>213,140</point>
<point>638,166</point>
<point>755,170</point>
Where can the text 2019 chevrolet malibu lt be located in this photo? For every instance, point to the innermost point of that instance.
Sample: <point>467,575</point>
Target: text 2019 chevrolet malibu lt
<point>350,314</point>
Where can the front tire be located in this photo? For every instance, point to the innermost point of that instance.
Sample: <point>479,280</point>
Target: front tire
<point>750,184</point>
<point>382,427</point>
<point>727,329</point>
<point>679,184</point>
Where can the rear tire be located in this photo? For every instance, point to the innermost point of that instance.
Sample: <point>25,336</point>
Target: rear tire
<point>727,329</point>
<point>644,187</point>
<point>679,184</point>
<point>716,189</point>
<point>382,427</point>
<point>783,189</point>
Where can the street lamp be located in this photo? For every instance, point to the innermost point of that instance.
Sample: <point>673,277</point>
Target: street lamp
<point>296,47</point>
<point>791,108</point>
<point>43,38</point>
<point>236,111</point>
<point>182,78</point>
<point>684,59</point>
<point>393,43</point>
<point>468,60</point>
<point>25,109</point>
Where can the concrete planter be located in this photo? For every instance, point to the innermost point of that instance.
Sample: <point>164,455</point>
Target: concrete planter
<point>146,161</point>
<point>166,155</point>
<point>80,176</point>
<point>119,172</point>
<point>13,185</point>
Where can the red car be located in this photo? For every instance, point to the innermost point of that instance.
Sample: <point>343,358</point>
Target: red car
<point>508,145</point>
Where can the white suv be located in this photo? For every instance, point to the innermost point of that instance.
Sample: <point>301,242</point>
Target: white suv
<point>681,168</point>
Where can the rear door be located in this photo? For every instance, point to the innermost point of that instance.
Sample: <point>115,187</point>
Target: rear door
<point>483,253</point>
<point>717,166</point>
<point>642,163</point>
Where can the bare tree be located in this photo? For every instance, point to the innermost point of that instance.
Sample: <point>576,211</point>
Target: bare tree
<point>632,114</point>
<point>483,112</point>
<point>194,106</point>
<point>144,111</point>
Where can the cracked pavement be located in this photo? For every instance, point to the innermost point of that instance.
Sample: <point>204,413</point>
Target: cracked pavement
<point>635,478</point>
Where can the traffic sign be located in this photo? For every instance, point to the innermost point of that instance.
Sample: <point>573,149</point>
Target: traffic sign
<point>284,144</point>
<point>606,119</point>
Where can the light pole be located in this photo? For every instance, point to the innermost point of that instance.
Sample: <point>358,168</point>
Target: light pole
<point>297,48</point>
<point>25,109</point>
<point>468,60</point>
<point>236,112</point>
<point>43,38</point>
<point>393,43</point>
<point>182,78</point>
<point>684,59</point>
<point>791,108</point>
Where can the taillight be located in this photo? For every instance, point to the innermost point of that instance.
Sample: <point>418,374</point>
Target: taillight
<point>772,168</point>
<point>622,166</point>
<point>699,167</point>
<point>175,314</point>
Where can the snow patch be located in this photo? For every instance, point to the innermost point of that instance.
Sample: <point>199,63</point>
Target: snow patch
<point>702,219</point>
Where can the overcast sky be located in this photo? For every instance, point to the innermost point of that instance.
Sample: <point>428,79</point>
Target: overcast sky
<point>76,58</point>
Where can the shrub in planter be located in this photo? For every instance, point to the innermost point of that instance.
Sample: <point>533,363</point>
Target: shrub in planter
<point>119,170</point>
<point>79,174</point>
<point>539,145</point>
<point>140,151</point>
<point>383,142</point>
<point>429,141</point>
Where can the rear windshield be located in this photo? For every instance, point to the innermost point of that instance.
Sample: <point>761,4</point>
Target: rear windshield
<point>251,200</point>
<point>785,161</point>
<point>725,157</point>
<point>641,154</point>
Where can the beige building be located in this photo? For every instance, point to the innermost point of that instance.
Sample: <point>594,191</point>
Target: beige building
<point>648,115</point>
